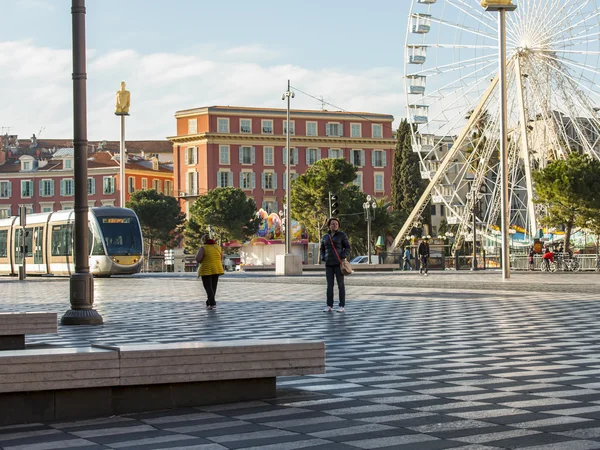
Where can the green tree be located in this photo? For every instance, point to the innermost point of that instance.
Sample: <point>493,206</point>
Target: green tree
<point>413,185</point>
<point>228,211</point>
<point>569,189</point>
<point>160,217</point>
<point>310,195</point>
<point>403,137</point>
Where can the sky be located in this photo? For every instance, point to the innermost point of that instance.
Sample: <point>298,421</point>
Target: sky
<point>183,54</point>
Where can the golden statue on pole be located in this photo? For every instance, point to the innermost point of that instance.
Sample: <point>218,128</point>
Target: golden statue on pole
<point>123,98</point>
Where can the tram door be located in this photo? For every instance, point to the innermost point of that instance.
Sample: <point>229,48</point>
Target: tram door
<point>38,265</point>
<point>28,250</point>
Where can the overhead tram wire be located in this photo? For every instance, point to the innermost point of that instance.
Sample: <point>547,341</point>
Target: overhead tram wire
<point>320,99</point>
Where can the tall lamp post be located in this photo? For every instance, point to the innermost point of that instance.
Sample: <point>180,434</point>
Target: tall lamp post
<point>81,284</point>
<point>288,264</point>
<point>501,6</point>
<point>369,208</point>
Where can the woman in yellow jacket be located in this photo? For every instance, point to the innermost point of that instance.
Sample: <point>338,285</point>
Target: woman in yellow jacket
<point>210,257</point>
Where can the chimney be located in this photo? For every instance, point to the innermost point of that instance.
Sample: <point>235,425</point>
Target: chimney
<point>2,157</point>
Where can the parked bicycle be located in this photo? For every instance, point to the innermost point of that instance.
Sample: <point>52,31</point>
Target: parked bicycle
<point>565,262</point>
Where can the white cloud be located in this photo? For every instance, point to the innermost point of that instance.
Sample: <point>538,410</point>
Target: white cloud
<point>39,88</point>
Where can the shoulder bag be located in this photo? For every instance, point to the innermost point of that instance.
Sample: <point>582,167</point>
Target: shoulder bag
<point>344,265</point>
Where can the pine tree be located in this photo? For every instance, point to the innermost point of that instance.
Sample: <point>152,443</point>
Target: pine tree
<point>399,156</point>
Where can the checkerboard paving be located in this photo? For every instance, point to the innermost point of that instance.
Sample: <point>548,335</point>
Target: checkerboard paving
<point>407,368</point>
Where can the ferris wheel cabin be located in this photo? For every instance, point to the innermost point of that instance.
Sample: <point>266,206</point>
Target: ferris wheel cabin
<point>416,54</point>
<point>421,23</point>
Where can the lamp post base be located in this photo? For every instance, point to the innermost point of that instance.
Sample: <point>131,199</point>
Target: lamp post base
<point>288,264</point>
<point>82,301</point>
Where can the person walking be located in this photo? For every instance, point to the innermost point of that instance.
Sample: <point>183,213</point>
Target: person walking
<point>406,259</point>
<point>210,257</point>
<point>423,252</point>
<point>334,248</point>
<point>531,261</point>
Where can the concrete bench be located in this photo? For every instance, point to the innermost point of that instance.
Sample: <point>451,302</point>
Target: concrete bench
<point>38,385</point>
<point>14,327</point>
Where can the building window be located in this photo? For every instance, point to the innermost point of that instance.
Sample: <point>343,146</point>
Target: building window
<point>108,185</point>
<point>224,179</point>
<point>46,207</point>
<point>67,187</point>
<point>292,127</point>
<point>47,188</point>
<point>267,127</point>
<point>312,155</point>
<point>223,125</point>
<point>91,186</point>
<point>355,130</point>
<point>155,164</point>
<point>378,182</point>
<point>191,183</point>
<point>293,156</point>
<point>223,154</point>
<point>311,128</point>
<point>433,210</point>
<point>191,156</point>
<point>246,155</point>
<point>156,185</point>
<point>26,188</point>
<point>270,206</point>
<point>357,158</point>
<point>107,203</point>
<point>27,165</point>
<point>68,164</point>
<point>5,189</point>
<point>168,187</point>
<point>377,130</point>
<point>442,211</point>
<point>192,126</point>
<point>247,180</point>
<point>358,180</point>
<point>4,212</point>
<point>269,181</point>
<point>268,156</point>
<point>246,126</point>
<point>378,158</point>
<point>144,184</point>
<point>293,176</point>
<point>131,185</point>
<point>335,153</point>
<point>333,129</point>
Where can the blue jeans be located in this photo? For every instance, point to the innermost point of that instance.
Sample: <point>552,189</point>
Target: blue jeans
<point>330,272</point>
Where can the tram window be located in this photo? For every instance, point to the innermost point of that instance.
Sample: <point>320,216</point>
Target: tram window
<point>62,240</point>
<point>121,235</point>
<point>28,241</point>
<point>3,243</point>
<point>95,243</point>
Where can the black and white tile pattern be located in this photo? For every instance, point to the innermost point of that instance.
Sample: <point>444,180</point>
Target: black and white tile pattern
<point>407,367</point>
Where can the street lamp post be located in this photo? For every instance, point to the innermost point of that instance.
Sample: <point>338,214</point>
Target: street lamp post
<point>501,6</point>
<point>369,208</point>
<point>289,263</point>
<point>475,210</point>
<point>82,310</point>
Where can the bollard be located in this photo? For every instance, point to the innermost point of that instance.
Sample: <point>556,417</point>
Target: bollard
<point>21,273</point>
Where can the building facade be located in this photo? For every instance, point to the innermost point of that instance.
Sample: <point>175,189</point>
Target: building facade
<point>41,177</point>
<point>221,146</point>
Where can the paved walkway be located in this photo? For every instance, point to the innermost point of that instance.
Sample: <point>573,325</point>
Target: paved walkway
<point>453,360</point>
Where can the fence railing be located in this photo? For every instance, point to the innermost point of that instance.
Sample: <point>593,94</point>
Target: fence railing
<point>465,262</point>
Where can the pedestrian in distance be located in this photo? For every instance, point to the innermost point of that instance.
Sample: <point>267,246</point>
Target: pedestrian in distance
<point>210,257</point>
<point>406,259</point>
<point>423,253</point>
<point>547,258</point>
<point>335,247</point>
<point>531,255</point>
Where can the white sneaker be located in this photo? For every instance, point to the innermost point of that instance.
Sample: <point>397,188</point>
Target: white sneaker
<point>425,274</point>
<point>340,309</point>
<point>327,309</point>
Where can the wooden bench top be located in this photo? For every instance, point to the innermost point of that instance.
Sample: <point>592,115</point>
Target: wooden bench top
<point>22,323</point>
<point>144,364</point>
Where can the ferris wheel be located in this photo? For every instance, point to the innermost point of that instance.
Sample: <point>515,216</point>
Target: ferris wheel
<point>452,97</point>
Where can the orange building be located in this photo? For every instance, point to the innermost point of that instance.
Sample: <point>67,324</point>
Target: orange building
<point>219,146</point>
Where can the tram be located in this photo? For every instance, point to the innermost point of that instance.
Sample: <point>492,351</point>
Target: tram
<point>114,242</point>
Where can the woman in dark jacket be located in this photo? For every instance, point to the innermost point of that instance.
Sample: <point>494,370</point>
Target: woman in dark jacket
<point>334,247</point>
